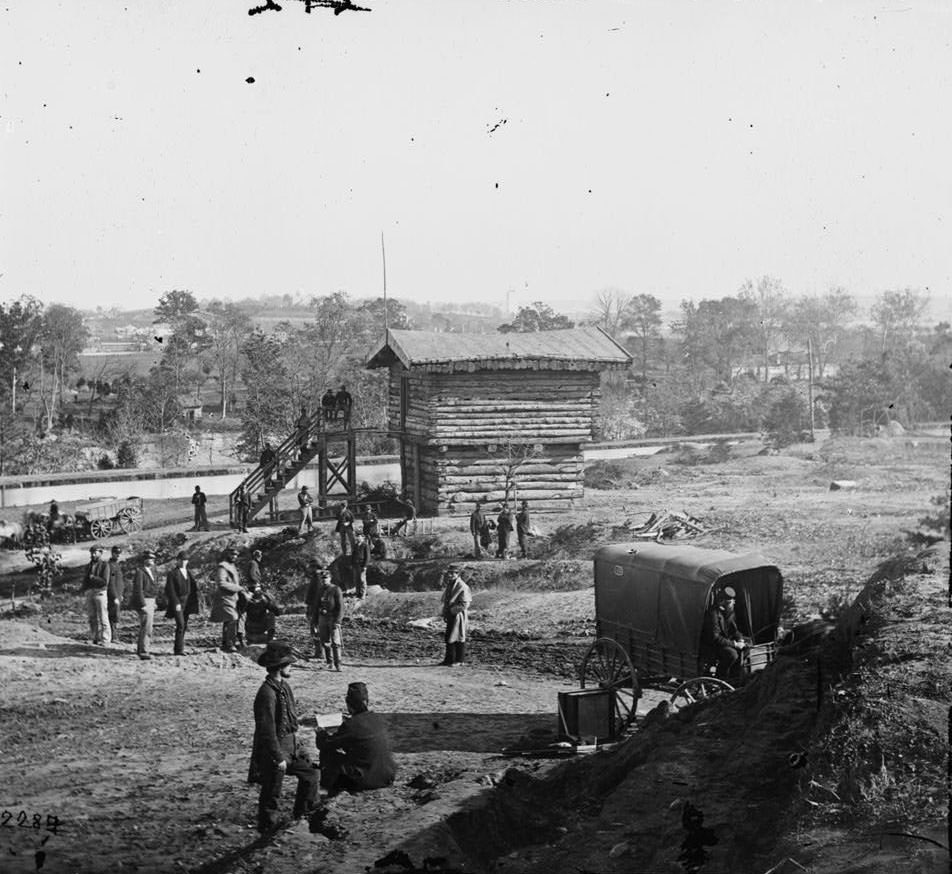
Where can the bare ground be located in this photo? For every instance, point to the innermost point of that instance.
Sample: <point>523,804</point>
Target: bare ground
<point>144,763</point>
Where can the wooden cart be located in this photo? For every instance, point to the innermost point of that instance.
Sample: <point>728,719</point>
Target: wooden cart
<point>110,517</point>
<point>650,602</point>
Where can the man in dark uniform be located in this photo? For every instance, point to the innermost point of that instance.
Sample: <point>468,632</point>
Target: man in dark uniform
<point>343,401</point>
<point>115,592</point>
<point>476,523</point>
<point>409,514</point>
<point>720,637</point>
<point>259,615</point>
<point>345,527</point>
<point>504,529</point>
<point>371,523</point>
<point>328,402</point>
<point>357,756</point>
<point>53,516</point>
<point>198,502</point>
<point>181,597</point>
<point>522,528</point>
<point>267,457</point>
<point>145,587</point>
<point>360,561</point>
<point>275,750</point>
<point>242,508</point>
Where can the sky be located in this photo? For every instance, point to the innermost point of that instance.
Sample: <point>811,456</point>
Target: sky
<point>507,151</point>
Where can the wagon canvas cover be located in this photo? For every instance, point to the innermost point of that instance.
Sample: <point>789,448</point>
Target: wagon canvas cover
<point>662,592</point>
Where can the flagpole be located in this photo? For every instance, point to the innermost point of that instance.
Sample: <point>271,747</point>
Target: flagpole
<point>386,309</point>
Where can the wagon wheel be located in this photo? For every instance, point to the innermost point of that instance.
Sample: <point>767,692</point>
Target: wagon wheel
<point>691,691</point>
<point>129,519</point>
<point>607,666</point>
<point>100,528</point>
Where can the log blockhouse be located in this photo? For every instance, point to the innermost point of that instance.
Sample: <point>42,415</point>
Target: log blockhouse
<point>467,406</point>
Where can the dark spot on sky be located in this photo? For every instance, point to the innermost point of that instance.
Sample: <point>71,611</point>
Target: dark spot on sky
<point>198,71</point>
<point>497,185</point>
<point>607,94</point>
<point>250,80</point>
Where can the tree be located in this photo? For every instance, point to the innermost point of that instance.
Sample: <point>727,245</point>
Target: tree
<point>20,324</point>
<point>62,336</point>
<point>643,321</point>
<point>715,335</point>
<point>767,295</point>
<point>822,321</point>
<point>898,316</point>
<point>610,309</point>
<point>189,333</point>
<point>268,408</point>
<point>513,455</point>
<point>228,327</point>
<point>538,316</point>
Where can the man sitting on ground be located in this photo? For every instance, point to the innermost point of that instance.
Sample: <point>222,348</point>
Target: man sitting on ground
<point>720,635</point>
<point>357,756</point>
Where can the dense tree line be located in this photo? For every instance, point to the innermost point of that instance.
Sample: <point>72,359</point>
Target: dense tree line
<point>746,362</point>
<point>735,363</point>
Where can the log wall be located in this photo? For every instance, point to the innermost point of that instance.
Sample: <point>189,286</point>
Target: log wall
<point>457,426</point>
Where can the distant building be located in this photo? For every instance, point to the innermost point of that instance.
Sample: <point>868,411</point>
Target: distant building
<point>467,406</point>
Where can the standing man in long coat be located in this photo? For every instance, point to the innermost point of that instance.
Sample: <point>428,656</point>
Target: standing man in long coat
<point>181,597</point>
<point>456,600</point>
<point>476,523</point>
<point>275,750</point>
<point>145,587</point>
<point>225,602</point>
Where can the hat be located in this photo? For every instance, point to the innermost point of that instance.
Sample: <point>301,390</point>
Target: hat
<point>181,554</point>
<point>276,654</point>
<point>726,593</point>
<point>357,696</point>
<point>95,549</point>
<point>116,549</point>
<point>303,488</point>
<point>257,552</point>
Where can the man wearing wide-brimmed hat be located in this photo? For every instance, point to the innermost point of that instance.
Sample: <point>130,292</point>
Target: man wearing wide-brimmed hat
<point>358,755</point>
<point>275,750</point>
<point>145,586</point>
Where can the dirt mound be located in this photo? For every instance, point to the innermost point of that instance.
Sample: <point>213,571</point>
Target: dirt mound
<point>15,634</point>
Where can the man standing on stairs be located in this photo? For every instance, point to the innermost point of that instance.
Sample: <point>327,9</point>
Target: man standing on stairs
<point>303,429</point>
<point>304,502</point>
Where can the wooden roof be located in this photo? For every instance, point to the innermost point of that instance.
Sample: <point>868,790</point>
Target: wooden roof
<point>568,349</point>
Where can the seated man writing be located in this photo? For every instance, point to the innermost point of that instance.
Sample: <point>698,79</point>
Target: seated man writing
<point>357,756</point>
<point>720,637</point>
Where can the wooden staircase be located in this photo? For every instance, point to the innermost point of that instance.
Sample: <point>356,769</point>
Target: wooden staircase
<point>318,438</point>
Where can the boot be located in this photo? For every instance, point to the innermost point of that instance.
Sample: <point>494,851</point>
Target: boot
<point>336,651</point>
<point>448,658</point>
<point>318,650</point>
<point>327,655</point>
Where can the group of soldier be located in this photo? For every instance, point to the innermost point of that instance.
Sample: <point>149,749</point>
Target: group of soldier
<point>482,526</point>
<point>104,588</point>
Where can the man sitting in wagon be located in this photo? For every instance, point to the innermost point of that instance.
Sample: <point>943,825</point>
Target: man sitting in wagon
<point>720,637</point>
